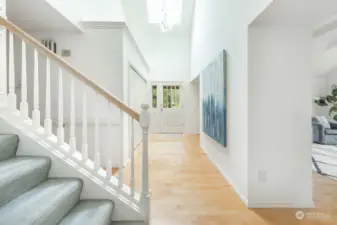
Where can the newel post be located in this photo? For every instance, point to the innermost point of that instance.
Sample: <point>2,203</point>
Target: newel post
<point>145,196</point>
<point>3,56</point>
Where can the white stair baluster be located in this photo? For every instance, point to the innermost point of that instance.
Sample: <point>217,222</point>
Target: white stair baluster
<point>120,176</point>
<point>97,128</point>
<point>121,169</point>
<point>47,120</point>
<point>36,111</point>
<point>109,143</point>
<point>11,81</point>
<point>144,121</point>
<point>24,103</point>
<point>132,167</point>
<point>84,126</point>
<point>3,62</point>
<point>109,170</point>
<point>60,128</point>
<point>72,140</point>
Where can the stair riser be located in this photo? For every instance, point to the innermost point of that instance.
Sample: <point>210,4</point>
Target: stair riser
<point>8,146</point>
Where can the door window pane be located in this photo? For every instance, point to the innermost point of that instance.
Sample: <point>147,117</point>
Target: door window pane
<point>177,97</point>
<point>165,97</point>
<point>169,99</point>
<point>171,96</point>
<point>154,96</point>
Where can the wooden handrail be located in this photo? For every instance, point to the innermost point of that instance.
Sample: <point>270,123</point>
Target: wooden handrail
<point>65,65</point>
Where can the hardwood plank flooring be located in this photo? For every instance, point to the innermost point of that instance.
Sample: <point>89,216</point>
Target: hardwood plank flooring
<point>187,189</point>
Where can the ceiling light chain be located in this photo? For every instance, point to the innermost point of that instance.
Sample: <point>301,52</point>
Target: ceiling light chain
<point>166,13</point>
<point>165,26</point>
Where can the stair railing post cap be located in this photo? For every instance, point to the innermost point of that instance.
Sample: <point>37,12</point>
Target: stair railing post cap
<point>145,116</point>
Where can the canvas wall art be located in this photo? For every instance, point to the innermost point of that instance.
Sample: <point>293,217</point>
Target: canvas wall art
<point>214,99</point>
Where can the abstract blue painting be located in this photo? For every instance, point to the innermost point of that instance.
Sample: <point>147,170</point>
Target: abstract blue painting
<point>214,104</point>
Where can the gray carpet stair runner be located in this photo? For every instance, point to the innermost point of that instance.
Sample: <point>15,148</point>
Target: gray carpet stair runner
<point>29,197</point>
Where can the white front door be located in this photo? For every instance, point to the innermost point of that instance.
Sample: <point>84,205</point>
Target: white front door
<point>167,113</point>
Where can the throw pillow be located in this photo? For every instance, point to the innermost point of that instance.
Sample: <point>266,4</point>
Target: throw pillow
<point>324,122</point>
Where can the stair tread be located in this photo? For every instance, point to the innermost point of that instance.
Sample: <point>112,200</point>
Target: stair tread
<point>88,212</point>
<point>8,146</point>
<point>20,174</point>
<point>47,203</point>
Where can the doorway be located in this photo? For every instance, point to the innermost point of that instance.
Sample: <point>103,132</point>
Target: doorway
<point>166,108</point>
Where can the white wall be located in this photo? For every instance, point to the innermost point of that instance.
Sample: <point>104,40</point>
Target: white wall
<point>71,9</point>
<point>279,134</point>
<point>168,58</point>
<point>324,51</point>
<point>102,10</point>
<point>252,9</point>
<point>191,111</point>
<point>223,24</point>
<point>89,10</point>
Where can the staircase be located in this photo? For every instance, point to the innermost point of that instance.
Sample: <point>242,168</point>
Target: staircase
<point>27,195</point>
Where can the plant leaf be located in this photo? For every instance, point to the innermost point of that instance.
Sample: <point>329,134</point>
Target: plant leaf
<point>321,102</point>
<point>331,99</point>
<point>334,92</point>
<point>333,110</point>
<point>335,117</point>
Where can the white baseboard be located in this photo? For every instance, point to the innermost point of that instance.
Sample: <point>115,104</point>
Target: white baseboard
<point>244,199</point>
<point>308,205</point>
<point>227,177</point>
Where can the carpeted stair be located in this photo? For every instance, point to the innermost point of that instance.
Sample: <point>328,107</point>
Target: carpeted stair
<point>29,197</point>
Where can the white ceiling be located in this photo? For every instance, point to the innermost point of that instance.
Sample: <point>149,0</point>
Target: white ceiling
<point>309,13</point>
<point>136,15</point>
<point>28,15</point>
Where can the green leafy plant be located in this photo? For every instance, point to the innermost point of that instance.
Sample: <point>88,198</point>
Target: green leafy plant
<point>329,101</point>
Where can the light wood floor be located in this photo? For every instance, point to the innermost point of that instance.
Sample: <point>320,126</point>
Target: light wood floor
<point>187,189</point>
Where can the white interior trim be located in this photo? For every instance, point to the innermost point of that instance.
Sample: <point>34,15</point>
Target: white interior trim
<point>117,25</point>
<point>134,68</point>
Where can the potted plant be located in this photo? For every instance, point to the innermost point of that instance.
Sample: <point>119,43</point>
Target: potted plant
<point>330,101</point>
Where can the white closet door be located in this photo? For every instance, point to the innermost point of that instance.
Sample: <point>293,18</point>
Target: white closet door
<point>137,96</point>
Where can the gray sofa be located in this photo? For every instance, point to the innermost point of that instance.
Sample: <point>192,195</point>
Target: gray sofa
<point>324,131</point>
